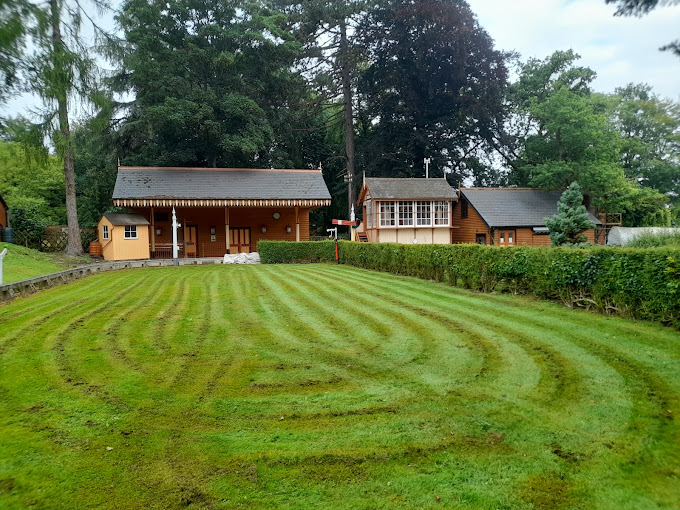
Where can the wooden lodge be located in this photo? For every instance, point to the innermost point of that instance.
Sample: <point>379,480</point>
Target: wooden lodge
<point>508,217</point>
<point>406,211</point>
<point>219,210</point>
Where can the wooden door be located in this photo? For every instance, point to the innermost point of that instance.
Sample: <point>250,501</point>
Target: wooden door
<point>191,241</point>
<point>239,240</point>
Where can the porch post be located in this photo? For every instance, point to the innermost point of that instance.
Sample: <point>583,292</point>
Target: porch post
<point>153,232</point>
<point>184,235</point>
<point>226,228</point>
<point>297,224</point>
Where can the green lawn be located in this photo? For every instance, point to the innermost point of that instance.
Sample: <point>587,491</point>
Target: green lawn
<point>327,386</point>
<point>22,263</point>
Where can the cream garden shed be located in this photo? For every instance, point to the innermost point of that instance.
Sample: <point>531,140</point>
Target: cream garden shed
<point>124,236</point>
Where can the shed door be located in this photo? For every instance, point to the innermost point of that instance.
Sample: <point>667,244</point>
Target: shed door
<point>239,239</point>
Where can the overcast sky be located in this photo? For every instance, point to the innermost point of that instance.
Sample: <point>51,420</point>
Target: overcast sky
<point>620,50</point>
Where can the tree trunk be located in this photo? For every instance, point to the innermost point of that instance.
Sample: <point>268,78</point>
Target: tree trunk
<point>343,54</point>
<point>74,246</point>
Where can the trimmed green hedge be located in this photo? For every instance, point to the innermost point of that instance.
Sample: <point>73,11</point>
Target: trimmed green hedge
<point>642,283</point>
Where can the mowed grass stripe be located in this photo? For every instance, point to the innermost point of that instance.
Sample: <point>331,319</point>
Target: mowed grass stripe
<point>633,407</point>
<point>316,384</point>
<point>462,354</point>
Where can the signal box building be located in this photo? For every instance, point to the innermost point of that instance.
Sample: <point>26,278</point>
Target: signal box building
<point>220,210</point>
<point>406,211</point>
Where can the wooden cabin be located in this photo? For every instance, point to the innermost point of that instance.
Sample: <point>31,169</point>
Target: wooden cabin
<point>3,214</point>
<point>407,211</point>
<point>124,237</point>
<point>220,210</point>
<point>508,216</point>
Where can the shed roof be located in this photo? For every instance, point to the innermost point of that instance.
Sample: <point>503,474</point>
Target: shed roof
<point>515,207</point>
<point>409,189</point>
<point>126,219</point>
<point>219,184</point>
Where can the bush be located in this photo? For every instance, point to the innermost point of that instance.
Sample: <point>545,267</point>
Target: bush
<point>283,252</point>
<point>641,283</point>
<point>649,240</point>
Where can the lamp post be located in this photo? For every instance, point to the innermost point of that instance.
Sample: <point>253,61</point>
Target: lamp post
<point>175,226</point>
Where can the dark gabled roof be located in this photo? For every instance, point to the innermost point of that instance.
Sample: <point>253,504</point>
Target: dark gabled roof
<point>126,219</point>
<point>409,189</point>
<point>219,184</point>
<point>515,207</point>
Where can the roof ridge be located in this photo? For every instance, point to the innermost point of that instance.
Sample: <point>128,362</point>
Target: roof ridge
<point>212,169</point>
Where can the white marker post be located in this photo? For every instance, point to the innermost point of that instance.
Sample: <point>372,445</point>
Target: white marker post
<point>2,257</point>
<point>175,226</point>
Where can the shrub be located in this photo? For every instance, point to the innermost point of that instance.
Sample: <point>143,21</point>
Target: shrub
<point>641,283</point>
<point>650,240</point>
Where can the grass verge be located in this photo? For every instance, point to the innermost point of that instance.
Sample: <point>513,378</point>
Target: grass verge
<point>23,263</point>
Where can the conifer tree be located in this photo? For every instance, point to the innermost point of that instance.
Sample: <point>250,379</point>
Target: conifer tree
<point>571,219</point>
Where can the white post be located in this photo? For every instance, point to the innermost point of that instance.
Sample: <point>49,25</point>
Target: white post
<point>427,168</point>
<point>2,257</point>
<point>352,217</point>
<point>175,226</point>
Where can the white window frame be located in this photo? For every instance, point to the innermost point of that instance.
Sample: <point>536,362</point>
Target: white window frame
<point>405,213</point>
<point>129,230</point>
<point>105,232</point>
<point>388,217</point>
<point>369,213</point>
<point>441,207</point>
<point>423,213</point>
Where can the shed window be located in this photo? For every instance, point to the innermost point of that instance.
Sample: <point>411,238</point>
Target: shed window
<point>406,213</point>
<point>387,214</point>
<point>130,231</point>
<point>423,213</point>
<point>441,213</point>
<point>105,232</point>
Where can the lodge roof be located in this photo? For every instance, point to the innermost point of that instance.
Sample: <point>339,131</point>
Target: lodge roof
<point>219,184</point>
<point>126,219</point>
<point>409,189</point>
<point>515,207</point>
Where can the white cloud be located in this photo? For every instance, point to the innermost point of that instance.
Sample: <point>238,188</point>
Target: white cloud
<point>620,50</point>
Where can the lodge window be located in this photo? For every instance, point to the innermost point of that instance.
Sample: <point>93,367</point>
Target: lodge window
<point>506,237</point>
<point>441,213</point>
<point>463,209</point>
<point>130,231</point>
<point>406,214</point>
<point>105,232</point>
<point>423,213</point>
<point>387,214</point>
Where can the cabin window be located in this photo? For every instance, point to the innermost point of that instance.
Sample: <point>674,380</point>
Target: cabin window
<point>423,213</point>
<point>387,214</point>
<point>506,237</point>
<point>441,213</point>
<point>130,231</point>
<point>105,232</point>
<point>463,209</point>
<point>406,214</point>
